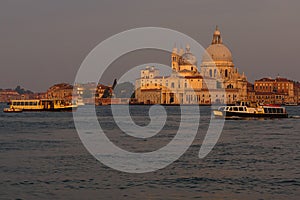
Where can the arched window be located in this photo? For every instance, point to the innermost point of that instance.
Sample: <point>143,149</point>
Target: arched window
<point>229,86</point>
<point>226,73</point>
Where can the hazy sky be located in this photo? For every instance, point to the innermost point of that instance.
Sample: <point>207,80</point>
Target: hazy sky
<point>43,42</point>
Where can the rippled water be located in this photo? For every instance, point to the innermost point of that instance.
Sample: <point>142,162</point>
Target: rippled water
<point>42,157</point>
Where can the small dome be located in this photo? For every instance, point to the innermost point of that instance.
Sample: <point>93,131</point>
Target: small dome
<point>189,59</point>
<point>217,52</point>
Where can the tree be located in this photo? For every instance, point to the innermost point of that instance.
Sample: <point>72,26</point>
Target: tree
<point>22,91</point>
<point>124,90</point>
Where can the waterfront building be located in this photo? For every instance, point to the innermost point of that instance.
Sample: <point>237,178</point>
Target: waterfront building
<point>297,94</point>
<point>218,81</point>
<point>101,89</point>
<point>61,91</point>
<point>250,92</point>
<point>89,93</point>
<point>278,91</point>
<point>8,94</point>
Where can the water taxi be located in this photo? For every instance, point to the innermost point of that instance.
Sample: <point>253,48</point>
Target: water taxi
<point>249,109</point>
<point>39,105</point>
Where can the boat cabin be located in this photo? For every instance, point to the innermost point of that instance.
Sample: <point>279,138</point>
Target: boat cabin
<point>39,104</point>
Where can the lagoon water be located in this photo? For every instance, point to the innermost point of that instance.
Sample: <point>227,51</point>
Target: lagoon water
<point>42,157</point>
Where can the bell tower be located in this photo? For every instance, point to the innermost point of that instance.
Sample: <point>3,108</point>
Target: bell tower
<point>175,60</point>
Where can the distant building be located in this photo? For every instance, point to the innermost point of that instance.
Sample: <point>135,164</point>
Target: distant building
<point>62,91</point>
<point>276,91</point>
<point>8,94</point>
<point>89,93</point>
<point>39,95</point>
<point>297,94</point>
<point>217,82</point>
<point>250,92</point>
<point>101,89</point>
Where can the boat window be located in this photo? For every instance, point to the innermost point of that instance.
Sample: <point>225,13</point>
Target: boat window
<point>26,103</point>
<point>266,110</point>
<point>22,103</point>
<point>30,103</point>
<point>235,109</point>
<point>14,103</point>
<point>241,109</point>
<point>273,110</point>
<point>230,109</point>
<point>270,110</point>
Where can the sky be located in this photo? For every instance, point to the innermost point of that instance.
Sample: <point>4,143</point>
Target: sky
<point>43,42</point>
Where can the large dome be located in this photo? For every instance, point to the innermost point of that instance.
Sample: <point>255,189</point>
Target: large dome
<point>217,52</point>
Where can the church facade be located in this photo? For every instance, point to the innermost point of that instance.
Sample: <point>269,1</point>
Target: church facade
<point>217,81</point>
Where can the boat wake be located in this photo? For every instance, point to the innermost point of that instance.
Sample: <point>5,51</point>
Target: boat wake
<point>295,117</point>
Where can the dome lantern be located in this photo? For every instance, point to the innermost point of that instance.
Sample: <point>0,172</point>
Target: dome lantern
<point>217,39</point>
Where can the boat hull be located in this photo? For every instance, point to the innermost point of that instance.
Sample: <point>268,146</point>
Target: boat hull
<point>227,114</point>
<point>68,109</point>
<point>11,110</point>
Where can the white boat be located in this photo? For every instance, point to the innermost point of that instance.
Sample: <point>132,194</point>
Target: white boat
<point>249,109</point>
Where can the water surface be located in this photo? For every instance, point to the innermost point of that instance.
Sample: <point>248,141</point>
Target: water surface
<point>42,157</point>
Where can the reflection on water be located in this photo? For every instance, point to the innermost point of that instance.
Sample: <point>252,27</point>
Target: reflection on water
<point>42,157</point>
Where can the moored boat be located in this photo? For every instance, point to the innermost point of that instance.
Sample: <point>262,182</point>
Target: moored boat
<point>249,109</point>
<point>40,105</point>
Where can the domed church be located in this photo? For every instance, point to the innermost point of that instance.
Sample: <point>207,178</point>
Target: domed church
<point>217,63</point>
<point>221,57</point>
<point>188,85</point>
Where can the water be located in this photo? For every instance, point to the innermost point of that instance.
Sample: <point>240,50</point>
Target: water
<point>42,157</point>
